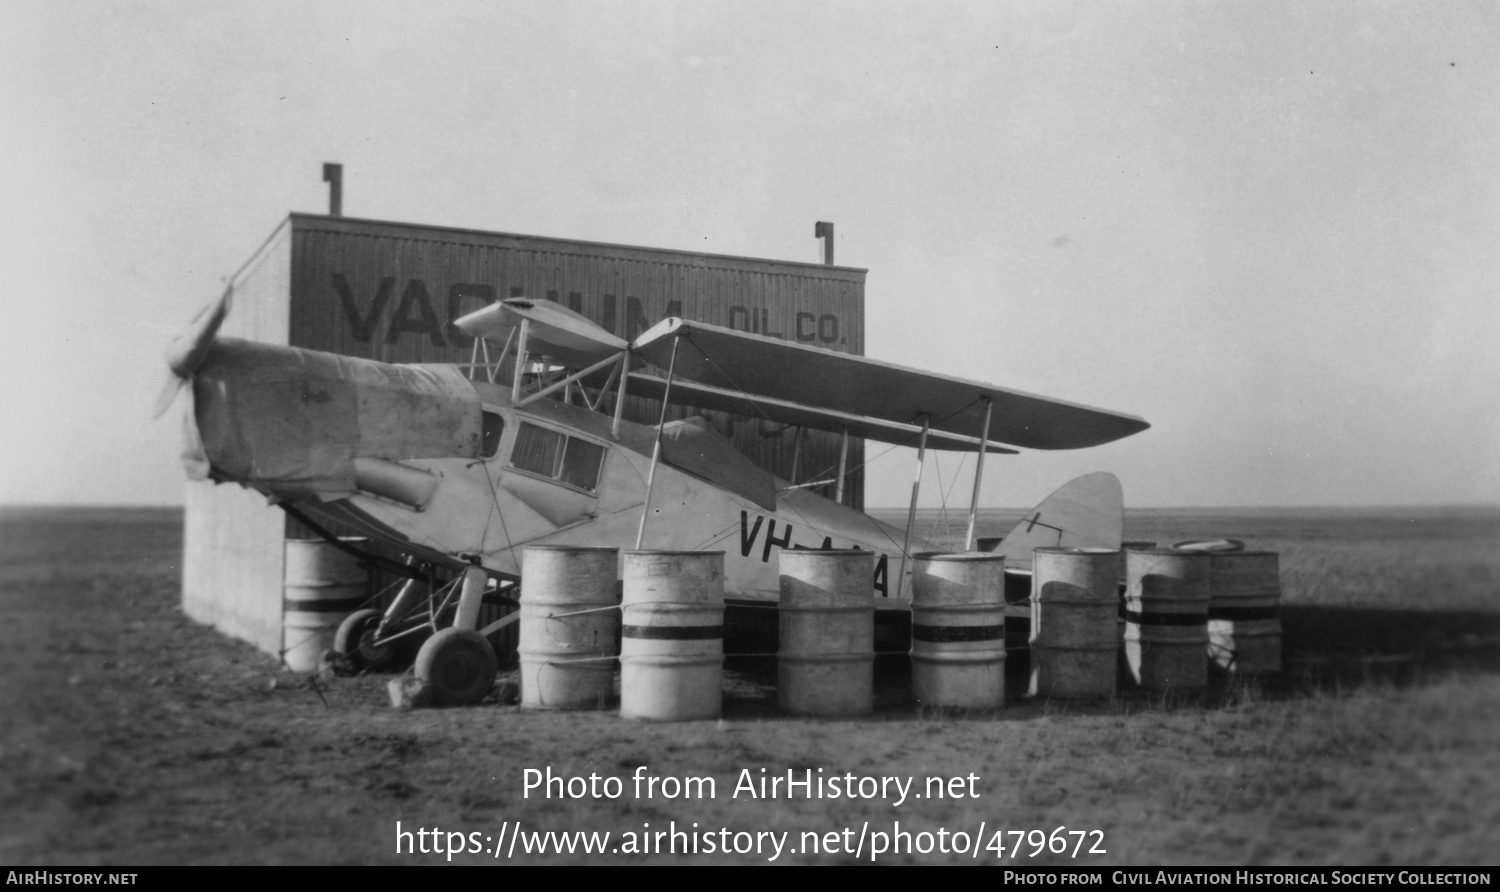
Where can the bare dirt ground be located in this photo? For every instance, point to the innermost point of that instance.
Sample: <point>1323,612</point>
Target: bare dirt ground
<point>131,735</point>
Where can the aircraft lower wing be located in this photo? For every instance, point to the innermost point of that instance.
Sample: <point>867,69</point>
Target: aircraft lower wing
<point>858,387</point>
<point>691,393</point>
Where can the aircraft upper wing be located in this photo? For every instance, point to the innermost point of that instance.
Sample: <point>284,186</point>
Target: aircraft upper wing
<point>739,362</point>
<point>553,330</point>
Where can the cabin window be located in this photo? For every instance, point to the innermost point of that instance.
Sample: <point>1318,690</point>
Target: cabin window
<point>494,426</point>
<point>565,459</point>
<point>537,450</point>
<point>580,464</point>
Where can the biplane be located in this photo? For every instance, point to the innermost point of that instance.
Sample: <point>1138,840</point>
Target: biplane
<point>462,467</point>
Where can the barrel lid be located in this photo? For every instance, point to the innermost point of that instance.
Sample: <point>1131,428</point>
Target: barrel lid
<point>958,556</point>
<point>1209,545</point>
<point>1164,550</point>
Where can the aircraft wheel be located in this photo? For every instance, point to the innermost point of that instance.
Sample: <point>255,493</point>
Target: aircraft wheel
<point>459,665</point>
<point>355,639</point>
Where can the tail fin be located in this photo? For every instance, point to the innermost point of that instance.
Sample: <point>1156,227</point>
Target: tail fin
<point>1086,512</point>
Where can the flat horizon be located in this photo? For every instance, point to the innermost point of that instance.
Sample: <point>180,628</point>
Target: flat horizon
<point>1471,507</point>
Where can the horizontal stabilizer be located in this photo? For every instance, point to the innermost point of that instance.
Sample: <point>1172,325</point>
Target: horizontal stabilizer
<point>552,330</point>
<point>856,386</point>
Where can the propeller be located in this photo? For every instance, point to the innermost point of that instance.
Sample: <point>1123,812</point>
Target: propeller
<point>190,348</point>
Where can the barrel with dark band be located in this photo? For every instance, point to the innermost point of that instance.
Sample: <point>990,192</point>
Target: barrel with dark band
<point>958,630</point>
<point>826,662</point>
<point>1244,623</point>
<point>1166,618</point>
<point>1074,610</point>
<point>672,635</point>
<point>569,624</point>
<point>324,584</point>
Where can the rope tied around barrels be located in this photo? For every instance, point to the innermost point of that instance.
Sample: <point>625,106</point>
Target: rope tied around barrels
<point>583,612</point>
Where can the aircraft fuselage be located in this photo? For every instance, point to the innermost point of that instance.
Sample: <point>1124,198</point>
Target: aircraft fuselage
<point>553,474</point>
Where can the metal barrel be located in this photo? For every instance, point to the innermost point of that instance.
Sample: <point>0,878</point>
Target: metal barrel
<point>569,626</point>
<point>672,635</point>
<point>1166,618</point>
<point>323,585</point>
<point>958,630</point>
<point>1244,602</point>
<point>1074,609</point>
<point>825,665</point>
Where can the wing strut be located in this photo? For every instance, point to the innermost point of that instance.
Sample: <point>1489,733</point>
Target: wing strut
<point>911,514</point>
<point>640,533</point>
<point>838,488</point>
<point>515,382</point>
<point>568,381</point>
<point>984,443</point>
<point>614,429</point>
<point>796,453</point>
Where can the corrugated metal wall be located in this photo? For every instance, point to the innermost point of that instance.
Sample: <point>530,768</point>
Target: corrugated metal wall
<point>390,292</point>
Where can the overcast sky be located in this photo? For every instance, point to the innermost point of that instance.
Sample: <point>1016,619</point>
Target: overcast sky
<point>1270,229</point>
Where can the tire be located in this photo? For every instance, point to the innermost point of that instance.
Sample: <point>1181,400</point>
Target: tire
<point>355,640</point>
<point>459,665</point>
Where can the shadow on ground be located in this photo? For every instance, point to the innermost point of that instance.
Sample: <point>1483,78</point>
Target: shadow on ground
<point>1355,645</point>
<point>1323,649</point>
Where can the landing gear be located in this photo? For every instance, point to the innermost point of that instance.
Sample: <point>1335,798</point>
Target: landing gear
<point>459,665</point>
<point>356,640</point>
